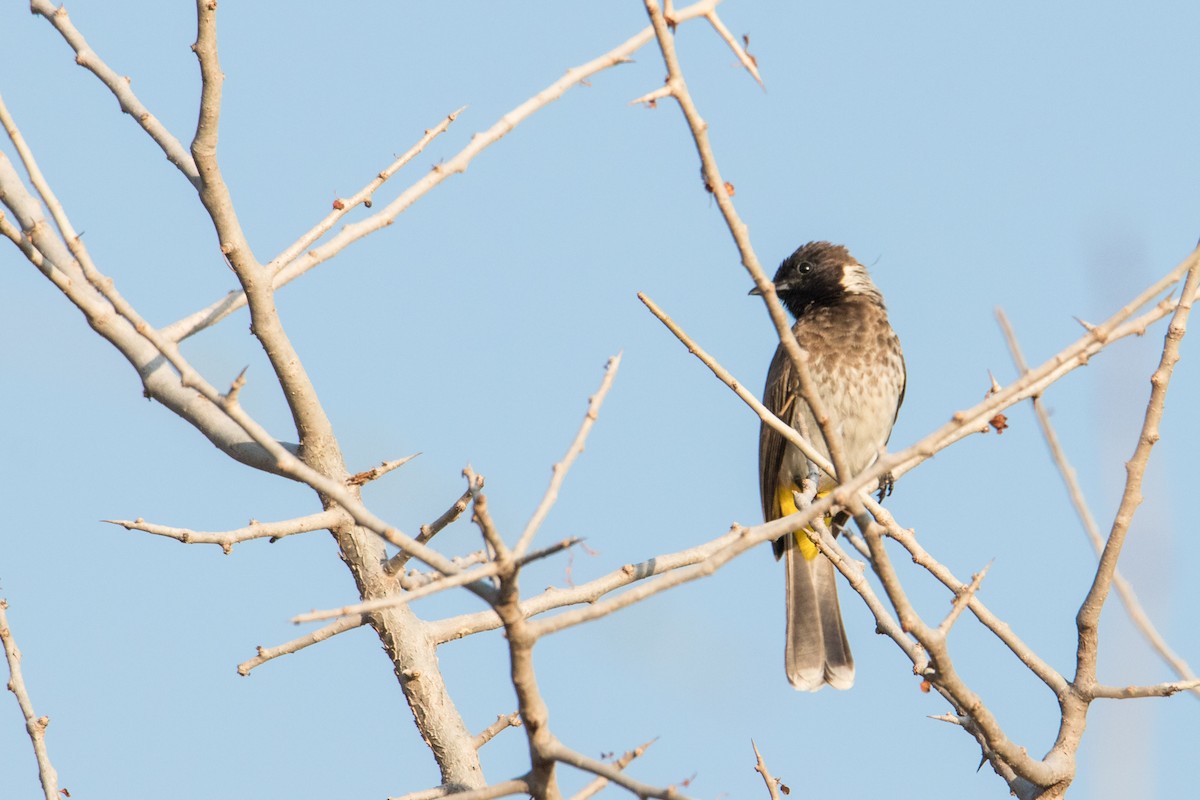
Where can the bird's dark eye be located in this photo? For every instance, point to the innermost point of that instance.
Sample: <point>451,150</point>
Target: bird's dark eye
<point>805,268</point>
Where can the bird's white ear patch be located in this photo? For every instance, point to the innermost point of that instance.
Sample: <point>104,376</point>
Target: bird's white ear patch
<point>855,280</point>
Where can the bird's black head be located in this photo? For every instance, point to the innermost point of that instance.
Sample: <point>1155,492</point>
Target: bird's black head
<point>819,274</point>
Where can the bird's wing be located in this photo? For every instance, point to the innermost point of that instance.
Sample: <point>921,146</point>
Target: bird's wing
<point>778,397</point>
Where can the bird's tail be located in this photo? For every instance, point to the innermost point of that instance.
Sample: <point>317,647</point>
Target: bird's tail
<point>817,652</point>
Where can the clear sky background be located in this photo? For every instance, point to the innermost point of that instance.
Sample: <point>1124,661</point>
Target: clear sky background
<point>1038,157</point>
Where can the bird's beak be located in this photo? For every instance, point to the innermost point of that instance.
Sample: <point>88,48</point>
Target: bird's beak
<point>780,286</point>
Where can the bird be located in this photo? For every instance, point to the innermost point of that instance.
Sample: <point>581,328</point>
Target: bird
<point>858,371</point>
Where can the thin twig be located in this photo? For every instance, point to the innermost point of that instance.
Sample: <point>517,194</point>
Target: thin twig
<point>341,207</point>
<point>610,771</point>
<point>746,539</point>
<point>266,654</point>
<point>562,467</point>
<point>502,722</point>
<point>1129,599</point>
<point>415,579</point>
<point>466,577</point>
<point>594,787</point>
<point>40,184</point>
<point>35,726</point>
<point>503,789</point>
<point>455,165</point>
<point>483,518</point>
<point>747,60</point>
<point>13,234</point>
<point>975,419</point>
<point>120,86</point>
<point>227,539</point>
<point>467,624</point>
<point>944,677</point>
<point>1088,618</point>
<point>741,236</point>
<point>396,563</point>
<point>215,312</point>
<point>1156,690</point>
<point>375,473</point>
<point>920,556</point>
<point>782,428</point>
<point>952,719</point>
<point>760,767</point>
<point>962,599</point>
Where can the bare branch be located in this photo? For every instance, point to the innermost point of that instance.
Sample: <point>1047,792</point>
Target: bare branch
<point>502,789</point>
<point>885,623</point>
<point>600,782</point>
<point>1088,618</point>
<point>707,557</point>
<point>975,419</point>
<point>214,313</point>
<point>482,518</point>
<point>284,273</point>
<point>35,175</point>
<point>781,427</point>
<point>852,574</point>
<point>375,473</point>
<point>1157,690</point>
<point>87,58</point>
<point>502,722</point>
<point>611,772</point>
<point>1001,629</point>
<point>396,563</point>
<point>227,539</point>
<point>480,142</point>
<point>477,580</point>
<point>341,207</point>
<point>467,624</point>
<point>13,234</point>
<point>747,60</point>
<point>63,268</point>
<point>415,579</point>
<point>266,654</point>
<point>962,599</point>
<point>983,723</point>
<point>722,194</point>
<point>952,719</point>
<point>652,97</point>
<point>560,469</point>
<point>744,539</point>
<point>1133,606</point>
<point>35,726</point>
<point>760,767</point>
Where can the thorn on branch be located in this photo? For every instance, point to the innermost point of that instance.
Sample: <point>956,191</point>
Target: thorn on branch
<point>230,397</point>
<point>746,48</point>
<point>949,718</point>
<point>378,472</point>
<point>708,185</point>
<point>650,99</point>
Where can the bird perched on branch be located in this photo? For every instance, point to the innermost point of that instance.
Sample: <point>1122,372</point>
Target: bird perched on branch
<point>858,373</point>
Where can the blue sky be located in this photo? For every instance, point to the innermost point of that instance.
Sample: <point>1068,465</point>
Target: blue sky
<point>1036,157</point>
